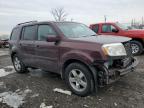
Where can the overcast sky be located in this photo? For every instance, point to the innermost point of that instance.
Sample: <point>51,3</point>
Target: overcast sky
<point>85,11</point>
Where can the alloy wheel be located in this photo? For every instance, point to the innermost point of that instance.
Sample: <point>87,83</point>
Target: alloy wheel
<point>77,80</point>
<point>17,64</point>
<point>135,48</point>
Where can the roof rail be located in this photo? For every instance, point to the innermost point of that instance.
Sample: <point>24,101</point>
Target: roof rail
<point>27,22</point>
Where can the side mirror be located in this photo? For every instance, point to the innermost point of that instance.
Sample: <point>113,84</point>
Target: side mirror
<point>115,30</point>
<point>52,38</point>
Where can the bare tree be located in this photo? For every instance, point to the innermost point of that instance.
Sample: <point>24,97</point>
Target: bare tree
<point>59,14</point>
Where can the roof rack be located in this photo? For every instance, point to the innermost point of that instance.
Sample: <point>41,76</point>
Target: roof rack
<point>27,22</point>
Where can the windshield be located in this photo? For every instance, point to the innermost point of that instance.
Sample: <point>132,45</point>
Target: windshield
<point>75,30</point>
<point>123,27</point>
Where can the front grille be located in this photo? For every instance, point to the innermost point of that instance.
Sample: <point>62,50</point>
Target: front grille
<point>128,48</point>
<point>122,63</point>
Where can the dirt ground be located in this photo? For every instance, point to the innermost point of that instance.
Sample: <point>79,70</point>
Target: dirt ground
<point>37,87</point>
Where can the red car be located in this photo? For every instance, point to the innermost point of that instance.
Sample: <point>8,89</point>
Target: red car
<point>4,41</point>
<point>117,29</point>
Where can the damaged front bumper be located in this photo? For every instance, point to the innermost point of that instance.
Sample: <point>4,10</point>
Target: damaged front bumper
<point>129,68</point>
<point>110,72</point>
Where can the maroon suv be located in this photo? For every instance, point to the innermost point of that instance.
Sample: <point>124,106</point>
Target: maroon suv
<point>84,60</point>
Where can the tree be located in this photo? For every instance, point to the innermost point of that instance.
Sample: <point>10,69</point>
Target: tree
<point>59,14</point>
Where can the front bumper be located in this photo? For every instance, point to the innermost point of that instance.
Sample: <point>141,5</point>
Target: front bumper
<point>128,69</point>
<point>108,75</point>
<point>115,74</point>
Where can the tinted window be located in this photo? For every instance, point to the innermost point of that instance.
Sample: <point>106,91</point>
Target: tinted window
<point>107,28</point>
<point>29,33</point>
<point>95,28</point>
<point>44,31</point>
<point>15,34</point>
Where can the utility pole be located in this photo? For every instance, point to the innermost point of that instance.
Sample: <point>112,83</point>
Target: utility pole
<point>132,23</point>
<point>105,18</point>
<point>142,21</point>
<point>72,19</point>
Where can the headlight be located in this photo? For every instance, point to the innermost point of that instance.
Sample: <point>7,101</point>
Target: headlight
<point>115,49</point>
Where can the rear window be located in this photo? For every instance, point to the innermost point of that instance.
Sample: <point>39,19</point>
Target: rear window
<point>15,34</point>
<point>95,28</point>
<point>29,33</point>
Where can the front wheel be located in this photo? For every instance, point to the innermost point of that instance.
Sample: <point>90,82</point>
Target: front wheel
<point>137,47</point>
<point>18,65</point>
<point>79,79</point>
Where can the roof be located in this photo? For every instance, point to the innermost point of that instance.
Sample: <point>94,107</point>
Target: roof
<point>103,23</point>
<point>37,22</point>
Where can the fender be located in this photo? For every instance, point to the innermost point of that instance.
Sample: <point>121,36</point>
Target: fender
<point>77,55</point>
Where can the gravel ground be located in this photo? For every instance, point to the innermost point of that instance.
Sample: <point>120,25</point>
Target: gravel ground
<point>36,88</point>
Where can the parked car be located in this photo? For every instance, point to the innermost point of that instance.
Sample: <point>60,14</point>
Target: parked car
<point>4,43</point>
<point>84,60</point>
<point>118,29</point>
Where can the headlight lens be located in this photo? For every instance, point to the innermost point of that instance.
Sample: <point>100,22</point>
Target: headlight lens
<point>115,49</point>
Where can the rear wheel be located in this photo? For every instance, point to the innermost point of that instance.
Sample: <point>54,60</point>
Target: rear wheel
<point>79,79</point>
<point>18,65</point>
<point>137,47</point>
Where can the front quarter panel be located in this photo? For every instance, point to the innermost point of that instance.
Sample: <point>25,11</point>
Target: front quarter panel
<point>84,52</point>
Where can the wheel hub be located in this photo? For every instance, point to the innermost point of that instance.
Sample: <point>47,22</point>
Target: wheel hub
<point>135,48</point>
<point>77,80</point>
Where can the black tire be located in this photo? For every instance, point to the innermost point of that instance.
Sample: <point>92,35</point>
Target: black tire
<point>137,44</point>
<point>22,69</point>
<point>87,74</point>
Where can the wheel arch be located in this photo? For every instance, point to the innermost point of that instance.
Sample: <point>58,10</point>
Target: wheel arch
<point>139,40</point>
<point>91,68</point>
<point>13,53</point>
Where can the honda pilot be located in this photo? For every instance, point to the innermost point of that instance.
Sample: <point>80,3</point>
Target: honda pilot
<point>84,60</point>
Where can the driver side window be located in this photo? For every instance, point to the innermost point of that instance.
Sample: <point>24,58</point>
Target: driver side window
<point>44,31</point>
<point>107,28</point>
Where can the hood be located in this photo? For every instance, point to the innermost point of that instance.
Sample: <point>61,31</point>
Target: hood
<point>103,39</point>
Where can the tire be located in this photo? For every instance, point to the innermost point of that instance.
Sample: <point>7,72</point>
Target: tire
<point>137,47</point>
<point>19,67</point>
<point>78,74</point>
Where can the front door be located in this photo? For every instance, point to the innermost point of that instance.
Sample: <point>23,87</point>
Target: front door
<point>47,53</point>
<point>108,29</point>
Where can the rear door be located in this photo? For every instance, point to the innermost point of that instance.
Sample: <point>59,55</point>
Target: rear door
<point>47,53</point>
<point>27,46</point>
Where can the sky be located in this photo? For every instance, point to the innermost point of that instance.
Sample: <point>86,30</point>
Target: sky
<point>13,12</point>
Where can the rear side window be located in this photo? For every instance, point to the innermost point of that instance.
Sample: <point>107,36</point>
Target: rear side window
<point>44,31</point>
<point>15,34</point>
<point>29,33</point>
<point>95,28</point>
